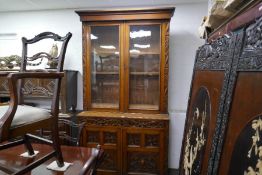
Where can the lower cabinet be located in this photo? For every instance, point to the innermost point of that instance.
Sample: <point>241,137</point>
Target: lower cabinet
<point>133,143</point>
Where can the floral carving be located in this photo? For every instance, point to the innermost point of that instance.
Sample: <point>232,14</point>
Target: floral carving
<point>251,58</point>
<point>214,55</point>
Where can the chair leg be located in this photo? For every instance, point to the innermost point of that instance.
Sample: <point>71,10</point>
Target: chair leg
<point>28,145</point>
<point>56,145</point>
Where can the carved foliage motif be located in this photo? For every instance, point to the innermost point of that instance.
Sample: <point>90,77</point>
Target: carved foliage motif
<point>251,58</point>
<point>196,136</point>
<point>109,161</point>
<point>93,137</point>
<point>247,154</point>
<point>133,139</point>
<point>152,140</point>
<point>213,56</point>
<point>96,121</point>
<point>142,162</point>
<point>110,138</point>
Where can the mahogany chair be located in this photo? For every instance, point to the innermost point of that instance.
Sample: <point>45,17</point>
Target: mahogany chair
<point>18,120</point>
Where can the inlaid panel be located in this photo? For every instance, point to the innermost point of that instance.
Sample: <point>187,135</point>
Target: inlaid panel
<point>247,152</point>
<point>196,136</point>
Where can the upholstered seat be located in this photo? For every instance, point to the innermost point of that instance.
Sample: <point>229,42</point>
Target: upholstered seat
<point>26,114</point>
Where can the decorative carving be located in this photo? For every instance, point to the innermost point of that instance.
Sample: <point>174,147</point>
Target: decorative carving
<point>133,139</point>
<point>214,56</point>
<point>152,140</point>
<point>109,161</point>
<point>126,122</point>
<point>251,57</point>
<point>142,162</point>
<point>110,138</point>
<point>93,137</point>
<point>143,123</point>
<point>225,102</point>
<point>32,88</point>
<point>196,136</point>
<point>165,100</point>
<point>247,154</point>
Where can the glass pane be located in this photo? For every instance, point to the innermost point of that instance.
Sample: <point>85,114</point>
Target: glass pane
<point>105,66</point>
<point>144,51</point>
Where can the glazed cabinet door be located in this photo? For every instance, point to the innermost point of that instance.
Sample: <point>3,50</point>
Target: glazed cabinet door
<point>102,71</point>
<point>143,151</point>
<point>110,140</point>
<point>144,61</point>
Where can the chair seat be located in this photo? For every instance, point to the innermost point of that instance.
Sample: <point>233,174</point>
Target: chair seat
<point>26,114</point>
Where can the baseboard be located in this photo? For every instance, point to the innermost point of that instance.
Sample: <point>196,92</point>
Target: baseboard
<point>172,171</point>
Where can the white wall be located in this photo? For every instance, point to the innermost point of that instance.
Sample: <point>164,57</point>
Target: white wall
<point>184,41</point>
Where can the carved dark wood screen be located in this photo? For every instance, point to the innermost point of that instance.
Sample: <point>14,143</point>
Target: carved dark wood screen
<point>240,151</point>
<point>210,79</point>
<point>223,127</point>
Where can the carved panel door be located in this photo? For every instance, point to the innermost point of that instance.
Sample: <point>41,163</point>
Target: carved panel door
<point>142,151</point>
<point>109,138</point>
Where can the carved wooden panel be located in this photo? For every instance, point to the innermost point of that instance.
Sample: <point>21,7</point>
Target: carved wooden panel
<point>93,137</point>
<point>110,161</point>
<point>152,140</point>
<point>43,88</point>
<point>133,145</point>
<point>110,137</point>
<point>133,139</point>
<point>141,162</point>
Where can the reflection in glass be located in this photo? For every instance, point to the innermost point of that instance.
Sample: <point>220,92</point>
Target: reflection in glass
<point>144,51</point>
<point>105,66</point>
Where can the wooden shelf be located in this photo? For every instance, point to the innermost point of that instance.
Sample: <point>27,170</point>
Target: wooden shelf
<point>105,105</point>
<point>145,73</point>
<point>105,73</point>
<point>143,106</point>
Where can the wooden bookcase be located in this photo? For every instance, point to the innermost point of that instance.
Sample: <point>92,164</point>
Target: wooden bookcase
<point>125,70</point>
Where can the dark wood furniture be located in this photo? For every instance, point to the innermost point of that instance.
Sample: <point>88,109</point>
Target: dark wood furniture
<point>223,124</point>
<point>125,70</point>
<point>70,132</point>
<point>17,120</point>
<point>42,89</point>
<point>83,159</point>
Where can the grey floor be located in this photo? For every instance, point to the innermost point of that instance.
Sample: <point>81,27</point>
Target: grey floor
<point>172,172</point>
